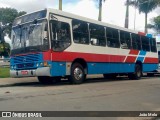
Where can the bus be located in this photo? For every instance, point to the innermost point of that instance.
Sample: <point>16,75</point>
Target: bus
<point>52,44</point>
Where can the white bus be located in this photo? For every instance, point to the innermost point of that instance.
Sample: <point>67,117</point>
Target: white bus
<point>52,44</point>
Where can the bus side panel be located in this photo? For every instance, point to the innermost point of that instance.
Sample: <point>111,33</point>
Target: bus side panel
<point>58,68</point>
<point>149,67</point>
<point>101,68</point>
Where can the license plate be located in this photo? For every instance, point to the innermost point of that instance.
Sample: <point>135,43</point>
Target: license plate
<point>24,72</point>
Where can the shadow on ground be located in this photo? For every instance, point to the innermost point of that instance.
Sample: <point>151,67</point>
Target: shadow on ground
<point>66,82</point>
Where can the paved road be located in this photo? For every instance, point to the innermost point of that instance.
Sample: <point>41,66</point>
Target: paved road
<point>96,94</point>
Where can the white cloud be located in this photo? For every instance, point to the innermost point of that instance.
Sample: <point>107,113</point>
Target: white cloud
<point>2,5</point>
<point>85,8</point>
<point>113,10</point>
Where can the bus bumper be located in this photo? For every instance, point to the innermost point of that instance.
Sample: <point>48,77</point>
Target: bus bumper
<point>44,71</point>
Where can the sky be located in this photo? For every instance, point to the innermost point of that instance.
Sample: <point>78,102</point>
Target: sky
<point>113,11</point>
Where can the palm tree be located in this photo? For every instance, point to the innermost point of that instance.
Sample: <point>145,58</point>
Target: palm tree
<point>155,25</point>
<point>100,10</point>
<point>145,6</point>
<point>127,14</point>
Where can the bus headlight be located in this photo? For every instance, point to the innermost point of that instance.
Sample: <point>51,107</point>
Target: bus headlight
<point>41,64</point>
<point>37,64</point>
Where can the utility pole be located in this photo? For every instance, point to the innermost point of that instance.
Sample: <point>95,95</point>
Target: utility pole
<point>60,4</point>
<point>127,15</point>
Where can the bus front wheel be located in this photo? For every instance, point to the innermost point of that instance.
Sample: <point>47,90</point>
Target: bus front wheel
<point>77,74</point>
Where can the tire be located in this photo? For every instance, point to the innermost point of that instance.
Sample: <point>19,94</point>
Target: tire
<point>77,74</point>
<point>110,76</point>
<point>45,80</point>
<point>137,74</point>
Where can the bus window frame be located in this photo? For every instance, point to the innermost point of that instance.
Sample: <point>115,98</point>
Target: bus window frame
<point>116,39</point>
<point>104,30</point>
<point>87,33</point>
<point>50,34</point>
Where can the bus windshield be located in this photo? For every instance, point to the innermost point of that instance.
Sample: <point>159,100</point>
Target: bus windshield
<point>30,37</point>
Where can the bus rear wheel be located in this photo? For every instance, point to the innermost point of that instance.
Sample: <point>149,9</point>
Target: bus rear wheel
<point>77,74</point>
<point>45,79</point>
<point>137,74</point>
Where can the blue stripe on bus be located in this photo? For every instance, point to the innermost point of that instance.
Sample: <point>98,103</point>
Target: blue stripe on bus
<point>149,67</point>
<point>59,68</point>
<point>143,53</point>
<point>140,59</point>
<point>100,68</point>
<point>141,56</point>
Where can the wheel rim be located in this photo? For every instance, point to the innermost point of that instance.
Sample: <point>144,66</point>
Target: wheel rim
<point>78,73</point>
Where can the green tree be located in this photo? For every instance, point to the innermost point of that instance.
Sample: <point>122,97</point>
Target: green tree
<point>155,25</point>
<point>100,9</point>
<point>145,6</point>
<point>7,16</point>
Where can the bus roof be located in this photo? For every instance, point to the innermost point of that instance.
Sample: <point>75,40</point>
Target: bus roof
<point>73,16</point>
<point>70,15</point>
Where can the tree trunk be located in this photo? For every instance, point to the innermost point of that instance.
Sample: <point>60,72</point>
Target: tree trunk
<point>60,4</point>
<point>145,29</point>
<point>100,10</point>
<point>127,15</point>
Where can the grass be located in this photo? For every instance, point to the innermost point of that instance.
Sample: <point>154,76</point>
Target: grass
<point>4,72</point>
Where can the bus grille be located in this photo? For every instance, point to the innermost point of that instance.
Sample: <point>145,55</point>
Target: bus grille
<point>26,61</point>
<point>27,58</point>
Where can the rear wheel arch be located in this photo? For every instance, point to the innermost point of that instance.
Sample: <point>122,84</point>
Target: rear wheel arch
<point>82,62</point>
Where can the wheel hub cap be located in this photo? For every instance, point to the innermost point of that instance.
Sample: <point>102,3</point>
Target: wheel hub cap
<point>78,73</point>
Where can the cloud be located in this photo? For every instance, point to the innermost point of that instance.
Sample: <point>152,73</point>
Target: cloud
<point>2,5</point>
<point>30,5</point>
<point>113,10</point>
<point>85,8</point>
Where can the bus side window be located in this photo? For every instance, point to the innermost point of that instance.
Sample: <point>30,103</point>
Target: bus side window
<point>97,35</point>
<point>136,42</point>
<point>153,45</point>
<point>112,37</point>
<point>125,40</point>
<point>60,35</point>
<point>80,32</point>
<point>145,43</point>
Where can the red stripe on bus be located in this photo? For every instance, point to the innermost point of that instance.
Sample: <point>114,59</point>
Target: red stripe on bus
<point>142,33</point>
<point>151,60</point>
<point>70,56</point>
<point>131,59</point>
<point>134,52</point>
<point>47,55</point>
